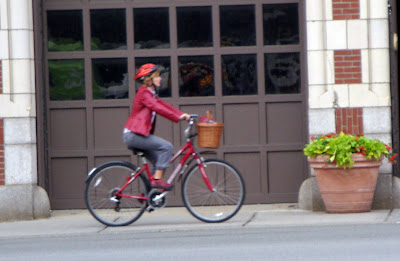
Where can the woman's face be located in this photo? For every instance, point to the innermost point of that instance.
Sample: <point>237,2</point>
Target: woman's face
<point>157,81</point>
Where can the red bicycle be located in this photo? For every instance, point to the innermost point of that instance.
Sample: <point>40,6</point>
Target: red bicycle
<point>117,193</point>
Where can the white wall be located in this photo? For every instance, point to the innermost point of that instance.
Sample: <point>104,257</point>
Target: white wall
<point>17,102</point>
<point>370,34</point>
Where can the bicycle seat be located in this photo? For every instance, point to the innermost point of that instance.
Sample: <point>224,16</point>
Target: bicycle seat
<point>138,152</point>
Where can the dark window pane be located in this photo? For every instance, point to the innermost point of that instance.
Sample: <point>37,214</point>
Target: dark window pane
<point>282,73</point>
<point>151,28</point>
<point>165,65</point>
<point>281,24</point>
<point>110,78</point>
<point>67,80</point>
<point>239,74</point>
<point>237,25</point>
<point>194,26</point>
<point>108,29</point>
<point>196,76</point>
<point>64,31</point>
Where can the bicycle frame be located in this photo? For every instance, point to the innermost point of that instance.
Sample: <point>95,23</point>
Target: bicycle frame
<point>188,151</point>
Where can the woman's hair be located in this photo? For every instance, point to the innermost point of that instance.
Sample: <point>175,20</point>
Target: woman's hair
<point>148,79</point>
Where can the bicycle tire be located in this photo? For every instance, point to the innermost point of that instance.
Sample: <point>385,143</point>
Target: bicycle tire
<point>101,186</point>
<point>218,205</point>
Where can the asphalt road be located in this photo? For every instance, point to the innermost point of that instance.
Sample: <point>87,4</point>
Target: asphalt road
<point>343,242</point>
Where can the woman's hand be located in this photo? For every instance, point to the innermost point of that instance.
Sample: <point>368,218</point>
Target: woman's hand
<point>184,117</point>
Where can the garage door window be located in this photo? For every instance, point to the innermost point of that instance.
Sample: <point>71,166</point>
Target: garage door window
<point>151,28</point>
<point>237,25</point>
<point>194,26</point>
<point>65,31</point>
<point>110,78</point>
<point>108,29</point>
<point>67,80</point>
<point>282,73</point>
<point>196,76</point>
<point>281,24</point>
<point>239,74</point>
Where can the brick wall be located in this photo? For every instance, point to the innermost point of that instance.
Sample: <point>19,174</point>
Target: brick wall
<point>347,66</point>
<point>349,120</point>
<point>1,79</point>
<point>346,9</point>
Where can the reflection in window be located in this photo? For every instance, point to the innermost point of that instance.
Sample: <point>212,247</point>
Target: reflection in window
<point>64,31</point>
<point>239,74</point>
<point>237,25</point>
<point>110,78</point>
<point>282,73</point>
<point>108,29</point>
<point>196,76</point>
<point>151,28</point>
<point>194,26</point>
<point>66,80</point>
<point>165,70</point>
<point>281,24</point>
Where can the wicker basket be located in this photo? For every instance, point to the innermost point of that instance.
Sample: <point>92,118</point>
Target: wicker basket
<point>209,134</point>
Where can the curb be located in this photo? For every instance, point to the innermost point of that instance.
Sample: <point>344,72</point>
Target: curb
<point>80,222</point>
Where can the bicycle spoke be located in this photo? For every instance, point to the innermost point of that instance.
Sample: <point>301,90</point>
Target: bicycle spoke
<point>220,204</point>
<point>103,185</point>
<point>102,203</point>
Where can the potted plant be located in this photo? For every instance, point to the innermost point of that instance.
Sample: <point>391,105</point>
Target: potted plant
<point>346,169</point>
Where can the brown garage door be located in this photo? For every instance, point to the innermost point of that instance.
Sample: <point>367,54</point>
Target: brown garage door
<point>244,60</point>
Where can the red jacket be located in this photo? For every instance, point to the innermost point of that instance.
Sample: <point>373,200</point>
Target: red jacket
<point>143,106</point>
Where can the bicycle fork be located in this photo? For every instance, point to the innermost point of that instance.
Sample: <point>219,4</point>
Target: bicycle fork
<point>205,177</point>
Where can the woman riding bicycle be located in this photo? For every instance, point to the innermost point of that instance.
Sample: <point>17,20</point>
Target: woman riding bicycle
<point>139,128</point>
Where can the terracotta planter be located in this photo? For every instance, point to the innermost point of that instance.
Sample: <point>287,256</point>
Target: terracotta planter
<point>346,190</point>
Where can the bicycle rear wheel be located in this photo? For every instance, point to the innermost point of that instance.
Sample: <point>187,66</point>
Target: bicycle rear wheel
<point>102,186</point>
<point>220,204</point>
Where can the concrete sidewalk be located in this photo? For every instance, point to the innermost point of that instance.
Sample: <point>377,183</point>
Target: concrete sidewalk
<point>76,222</point>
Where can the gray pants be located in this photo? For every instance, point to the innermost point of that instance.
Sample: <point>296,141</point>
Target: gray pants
<point>156,149</point>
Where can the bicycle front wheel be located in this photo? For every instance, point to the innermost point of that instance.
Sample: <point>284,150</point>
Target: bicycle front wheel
<point>101,189</point>
<point>226,198</point>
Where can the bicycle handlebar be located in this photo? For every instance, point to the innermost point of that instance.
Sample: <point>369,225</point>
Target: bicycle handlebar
<point>192,116</point>
<point>188,133</point>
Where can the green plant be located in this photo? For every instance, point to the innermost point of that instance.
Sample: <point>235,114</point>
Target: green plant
<point>64,45</point>
<point>340,147</point>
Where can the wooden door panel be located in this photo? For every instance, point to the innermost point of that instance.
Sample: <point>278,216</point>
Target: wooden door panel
<point>285,123</point>
<point>68,182</point>
<point>68,129</point>
<point>241,124</point>
<point>285,173</point>
<point>108,127</point>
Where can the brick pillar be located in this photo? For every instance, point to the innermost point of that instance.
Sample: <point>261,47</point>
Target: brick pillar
<point>345,9</point>
<point>1,78</point>
<point>347,66</point>
<point>347,69</point>
<point>349,120</point>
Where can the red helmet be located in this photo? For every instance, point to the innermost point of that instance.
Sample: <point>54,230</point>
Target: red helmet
<point>145,70</point>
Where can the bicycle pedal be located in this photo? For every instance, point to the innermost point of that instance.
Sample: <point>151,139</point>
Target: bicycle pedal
<point>114,199</point>
<point>150,209</point>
